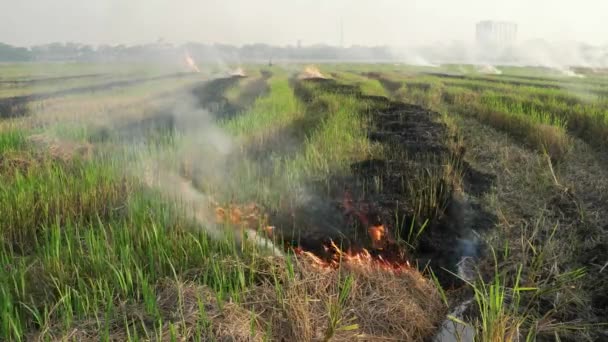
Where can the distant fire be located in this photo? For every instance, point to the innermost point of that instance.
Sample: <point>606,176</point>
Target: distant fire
<point>311,72</point>
<point>191,63</point>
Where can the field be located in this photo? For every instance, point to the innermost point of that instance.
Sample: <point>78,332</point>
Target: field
<point>367,202</point>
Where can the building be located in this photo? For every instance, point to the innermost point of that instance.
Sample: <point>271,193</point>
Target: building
<point>496,33</point>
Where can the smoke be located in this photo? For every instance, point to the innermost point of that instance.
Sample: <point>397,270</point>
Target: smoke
<point>167,145</point>
<point>199,206</point>
<point>205,147</point>
<point>560,56</point>
<point>488,69</point>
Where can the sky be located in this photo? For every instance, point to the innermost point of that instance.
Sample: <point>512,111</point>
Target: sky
<point>283,22</point>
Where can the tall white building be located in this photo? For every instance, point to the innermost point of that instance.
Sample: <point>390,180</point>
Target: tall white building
<point>496,33</point>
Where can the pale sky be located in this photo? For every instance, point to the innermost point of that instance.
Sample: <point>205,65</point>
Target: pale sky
<point>281,22</point>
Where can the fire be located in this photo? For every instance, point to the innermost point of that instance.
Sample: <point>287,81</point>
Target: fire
<point>377,232</point>
<point>363,259</point>
<point>383,253</point>
<point>311,71</point>
<point>191,64</point>
<point>247,216</point>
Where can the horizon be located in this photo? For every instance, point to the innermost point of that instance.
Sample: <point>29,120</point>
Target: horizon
<point>382,23</point>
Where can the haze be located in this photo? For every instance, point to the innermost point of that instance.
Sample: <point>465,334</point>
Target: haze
<point>378,22</point>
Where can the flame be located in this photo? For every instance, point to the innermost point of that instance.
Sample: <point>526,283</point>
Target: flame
<point>246,216</point>
<point>362,259</point>
<point>311,71</point>
<point>384,254</point>
<point>191,64</point>
<point>377,232</point>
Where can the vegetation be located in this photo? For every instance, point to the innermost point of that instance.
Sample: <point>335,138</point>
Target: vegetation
<point>146,212</point>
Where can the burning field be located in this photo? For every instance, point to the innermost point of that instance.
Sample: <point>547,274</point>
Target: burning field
<point>311,72</point>
<point>268,205</point>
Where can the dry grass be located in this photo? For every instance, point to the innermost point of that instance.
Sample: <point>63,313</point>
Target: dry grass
<point>16,162</point>
<point>550,223</point>
<point>61,149</point>
<point>189,311</point>
<point>554,140</point>
<point>314,305</point>
<point>311,304</point>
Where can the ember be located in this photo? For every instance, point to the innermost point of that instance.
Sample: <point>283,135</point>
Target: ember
<point>377,232</point>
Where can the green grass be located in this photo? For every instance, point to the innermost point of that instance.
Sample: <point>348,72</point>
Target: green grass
<point>88,246</point>
<point>81,240</point>
<point>268,113</point>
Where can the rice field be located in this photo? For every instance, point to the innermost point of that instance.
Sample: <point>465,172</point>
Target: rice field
<point>366,202</point>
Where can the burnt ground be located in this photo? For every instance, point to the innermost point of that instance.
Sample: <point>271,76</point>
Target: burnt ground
<point>210,95</point>
<point>343,208</point>
<point>252,90</point>
<point>17,106</point>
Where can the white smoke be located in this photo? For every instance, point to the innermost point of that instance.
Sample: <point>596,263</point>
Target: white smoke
<point>559,56</point>
<point>206,145</point>
<point>488,69</point>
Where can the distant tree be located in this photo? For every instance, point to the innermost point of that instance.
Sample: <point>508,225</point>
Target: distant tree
<point>10,53</point>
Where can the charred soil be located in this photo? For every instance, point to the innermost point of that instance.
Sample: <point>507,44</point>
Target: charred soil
<point>381,193</point>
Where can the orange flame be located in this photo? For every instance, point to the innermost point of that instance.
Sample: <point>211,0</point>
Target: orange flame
<point>385,255</point>
<point>361,260</point>
<point>246,216</point>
